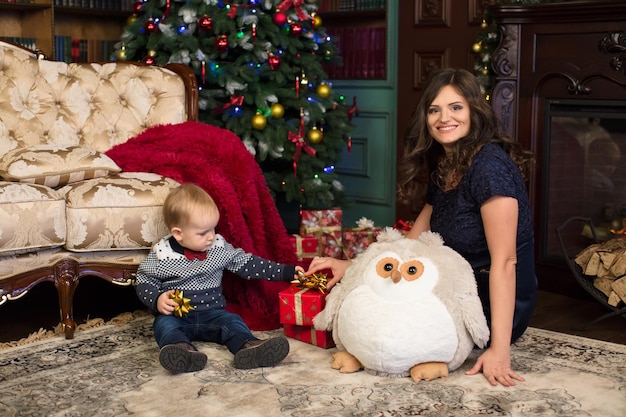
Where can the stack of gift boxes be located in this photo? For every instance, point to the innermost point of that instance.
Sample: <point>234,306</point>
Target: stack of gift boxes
<point>321,234</point>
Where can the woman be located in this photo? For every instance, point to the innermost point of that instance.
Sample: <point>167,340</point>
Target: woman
<point>469,178</point>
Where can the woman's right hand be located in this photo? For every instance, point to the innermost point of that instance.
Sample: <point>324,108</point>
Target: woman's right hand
<point>337,267</point>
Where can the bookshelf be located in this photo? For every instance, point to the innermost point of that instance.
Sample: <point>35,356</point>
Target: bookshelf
<point>65,30</point>
<point>359,28</point>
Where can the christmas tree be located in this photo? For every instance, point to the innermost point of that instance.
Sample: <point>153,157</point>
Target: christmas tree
<point>260,70</point>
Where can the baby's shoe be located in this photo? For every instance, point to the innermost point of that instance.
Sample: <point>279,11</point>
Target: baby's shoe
<point>181,357</point>
<point>262,353</point>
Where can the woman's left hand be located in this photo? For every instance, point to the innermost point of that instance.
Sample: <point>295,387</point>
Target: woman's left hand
<point>496,367</point>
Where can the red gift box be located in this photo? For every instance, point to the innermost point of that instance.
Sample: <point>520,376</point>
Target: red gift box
<point>326,226</point>
<point>355,240</point>
<point>308,334</point>
<point>299,305</point>
<point>306,247</point>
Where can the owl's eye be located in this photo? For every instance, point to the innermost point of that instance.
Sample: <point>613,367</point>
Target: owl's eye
<point>412,270</point>
<point>386,266</point>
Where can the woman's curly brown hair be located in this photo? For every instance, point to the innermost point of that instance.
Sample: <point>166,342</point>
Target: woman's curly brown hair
<point>424,158</point>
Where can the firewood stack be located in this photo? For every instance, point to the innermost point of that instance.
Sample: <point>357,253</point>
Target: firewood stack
<point>606,263</point>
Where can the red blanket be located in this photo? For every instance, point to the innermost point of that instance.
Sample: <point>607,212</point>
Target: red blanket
<point>216,160</point>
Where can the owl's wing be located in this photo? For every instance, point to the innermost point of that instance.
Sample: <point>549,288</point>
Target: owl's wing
<point>352,278</point>
<point>457,290</point>
<point>474,319</point>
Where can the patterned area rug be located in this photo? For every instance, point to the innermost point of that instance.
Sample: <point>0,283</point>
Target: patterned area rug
<point>113,370</point>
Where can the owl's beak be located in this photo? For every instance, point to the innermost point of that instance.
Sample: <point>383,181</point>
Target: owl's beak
<point>396,276</point>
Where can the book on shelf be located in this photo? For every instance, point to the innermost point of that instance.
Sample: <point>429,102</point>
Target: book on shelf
<point>26,42</point>
<point>69,49</point>
<point>97,4</point>
<point>331,6</point>
<point>363,52</point>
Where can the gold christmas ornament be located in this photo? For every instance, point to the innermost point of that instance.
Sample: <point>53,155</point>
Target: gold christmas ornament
<point>485,71</point>
<point>483,24</point>
<point>183,308</point>
<point>315,135</point>
<point>477,47</point>
<point>323,90</point>
<point>121,54</point>
<point>277,110</point>
<point>259,122</point>
<point>317,21</point>
<point>131,19</point>
<point>316,281</point>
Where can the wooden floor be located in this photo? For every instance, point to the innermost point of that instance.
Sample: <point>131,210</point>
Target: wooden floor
<point>96,298</point>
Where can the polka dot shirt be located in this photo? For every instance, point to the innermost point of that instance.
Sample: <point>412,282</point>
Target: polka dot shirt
<point>166,268</point>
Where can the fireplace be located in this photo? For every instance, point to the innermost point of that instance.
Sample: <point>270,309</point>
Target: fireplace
<point>584,168</point>
<point>561,92</point>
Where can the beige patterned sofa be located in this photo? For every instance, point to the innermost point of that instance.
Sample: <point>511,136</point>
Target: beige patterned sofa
<point>66,209</point>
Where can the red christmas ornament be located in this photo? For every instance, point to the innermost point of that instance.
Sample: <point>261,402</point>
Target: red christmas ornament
<point>296,29</point>
<point>148,60</point>
<point>221,43</point>
<point>297,87</point>
<point>280,19</point>
<point>137,7</point>
<point>150,26</point>
<point>205,23</point>
<point>274,62</point>
<point>232,11</point>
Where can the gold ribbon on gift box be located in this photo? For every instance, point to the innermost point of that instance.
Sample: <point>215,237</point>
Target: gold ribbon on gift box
<point>297,304</point>
<point>307,282</point>
<point>300,250</point>
<point>313,336</point>
<point>319,231</point>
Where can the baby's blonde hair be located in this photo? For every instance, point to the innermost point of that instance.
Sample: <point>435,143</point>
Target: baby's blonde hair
<point>181,202</point>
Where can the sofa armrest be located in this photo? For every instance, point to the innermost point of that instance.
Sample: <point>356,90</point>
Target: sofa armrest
<point>191,87</point>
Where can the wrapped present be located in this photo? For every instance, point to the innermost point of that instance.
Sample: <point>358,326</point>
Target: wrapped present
<point>325,224</point>
<point>299,305</point>
<point>306,247</point>
<point>308,334</point>
<point>356,239</point>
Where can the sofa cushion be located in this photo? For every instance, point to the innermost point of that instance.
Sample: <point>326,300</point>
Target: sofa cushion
<point>55,166</point>
<point>32,217</point>
<point>119,212</point>
<point>88,104</point>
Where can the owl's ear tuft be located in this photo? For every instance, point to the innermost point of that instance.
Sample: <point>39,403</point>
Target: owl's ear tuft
<point>431,238</point>
<point>389,234</point>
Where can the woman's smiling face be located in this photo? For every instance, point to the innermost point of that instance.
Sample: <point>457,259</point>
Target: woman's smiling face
<point>448,117</point>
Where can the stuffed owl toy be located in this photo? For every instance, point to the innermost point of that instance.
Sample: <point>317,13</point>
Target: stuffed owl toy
<point>405,307</point>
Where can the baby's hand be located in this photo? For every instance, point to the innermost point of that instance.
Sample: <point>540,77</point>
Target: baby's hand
<point>165,304</point>
<point>299,270</point>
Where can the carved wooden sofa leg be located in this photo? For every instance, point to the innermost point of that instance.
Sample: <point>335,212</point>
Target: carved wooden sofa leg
<point>66,276</point>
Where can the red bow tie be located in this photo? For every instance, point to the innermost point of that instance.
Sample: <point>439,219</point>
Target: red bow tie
<point>192,254</point>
